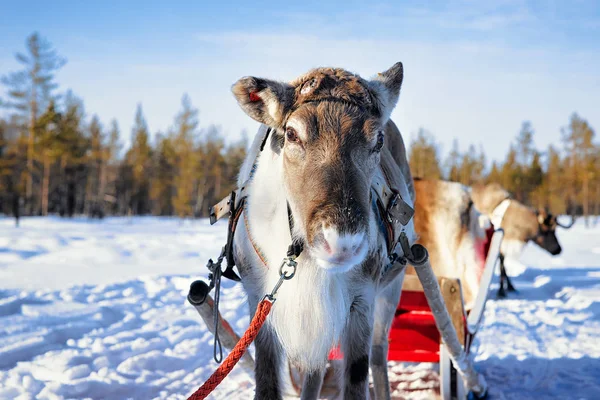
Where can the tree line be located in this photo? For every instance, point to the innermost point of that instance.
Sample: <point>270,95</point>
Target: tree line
<point>54,160</point>
<point>562,179</point>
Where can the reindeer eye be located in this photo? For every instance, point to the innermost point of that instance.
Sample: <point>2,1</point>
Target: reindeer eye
<point>380,142</point>
<point>291,135</point>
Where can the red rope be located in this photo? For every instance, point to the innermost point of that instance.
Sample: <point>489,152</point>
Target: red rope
<point>262,311</point>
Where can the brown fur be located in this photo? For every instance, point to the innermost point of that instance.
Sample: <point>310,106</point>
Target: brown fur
<point>334,84</point>
<point>443,201</point>
<point>487,197</point>
<point>323,163</point>
<point>520,222</point>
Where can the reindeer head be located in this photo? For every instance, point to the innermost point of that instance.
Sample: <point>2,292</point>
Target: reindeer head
<point>329,131</point>
<point>546,237</point>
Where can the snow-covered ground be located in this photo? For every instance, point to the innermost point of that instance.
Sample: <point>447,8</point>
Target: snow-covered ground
<point>97,310</point>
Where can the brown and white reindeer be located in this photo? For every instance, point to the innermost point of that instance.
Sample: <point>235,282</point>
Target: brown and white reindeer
<point>330,142</point>
<point>521,224</point>
<point>451,228</point>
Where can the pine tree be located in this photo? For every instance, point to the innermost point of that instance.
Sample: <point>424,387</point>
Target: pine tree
<point>424,156</point>
<point>72,146</point>
<point>453,162</point>
<point>472,166</point>
<point>48,126</point>
<point>109,194</point>
<point>535,173</point>
<point>163,188</point>
<point>524,156</point>
<point>525,148</point>
<point>555,182</point>
<point>139,158</point>
<point>510,173</point>
<point>210,167</point>
<point>29,91</point>
<point>185,136</point>
<point>12,167</point>
<point>578,137</point>
<point>95,169</point>
<point>495,176</point>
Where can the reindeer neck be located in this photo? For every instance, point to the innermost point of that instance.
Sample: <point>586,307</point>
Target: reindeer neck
<point>266,208</point>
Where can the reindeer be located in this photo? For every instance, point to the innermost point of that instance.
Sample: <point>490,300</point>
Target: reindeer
<point>451,227</point>
<point>521,224</point>
<point>313,179</point>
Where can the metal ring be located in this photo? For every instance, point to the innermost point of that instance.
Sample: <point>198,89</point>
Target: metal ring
<point>290,264</point>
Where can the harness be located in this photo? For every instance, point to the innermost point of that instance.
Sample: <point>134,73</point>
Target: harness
<point>498,214</point>
<point>394,214</point>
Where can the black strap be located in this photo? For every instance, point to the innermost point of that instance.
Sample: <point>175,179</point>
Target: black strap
<point>217,347</point>
<point>264,141</point>
<point>296,247</point>
<point>215,282</point>
<point>229,273</point>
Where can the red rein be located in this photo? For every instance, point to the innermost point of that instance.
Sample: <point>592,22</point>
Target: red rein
<point>262,311</point>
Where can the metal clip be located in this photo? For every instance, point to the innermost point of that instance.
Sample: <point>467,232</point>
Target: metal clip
<point>406,249</point>
<point>287,270</point>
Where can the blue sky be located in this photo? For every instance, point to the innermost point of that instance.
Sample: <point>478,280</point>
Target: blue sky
<point>473,70</point>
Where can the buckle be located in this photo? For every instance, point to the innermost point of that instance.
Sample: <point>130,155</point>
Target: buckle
<point>398,210</point>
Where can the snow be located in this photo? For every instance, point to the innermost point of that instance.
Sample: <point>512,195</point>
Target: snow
<point>98,310</point>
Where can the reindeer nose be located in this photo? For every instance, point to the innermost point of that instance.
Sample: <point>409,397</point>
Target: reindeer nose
<point>557,251</point>
<point>345,244</point>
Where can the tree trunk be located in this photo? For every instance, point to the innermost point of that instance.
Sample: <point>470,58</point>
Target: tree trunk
<point>101,188</point>
<point>30,144</point>
<point>64,184</point>
<point>89,190</point>
<point>45,184</point>
<point>586,204</point>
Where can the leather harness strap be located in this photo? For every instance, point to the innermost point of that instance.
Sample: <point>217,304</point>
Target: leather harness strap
<point>394,211</point>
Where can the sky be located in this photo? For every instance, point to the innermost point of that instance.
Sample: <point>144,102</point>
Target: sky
<point>474,70</point>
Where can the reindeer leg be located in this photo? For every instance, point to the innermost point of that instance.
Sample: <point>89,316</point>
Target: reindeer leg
<point>509,285</point>
<point>356,345</point>
<point>311,388</point>
<point>385,308</point>
<point>503,277</point>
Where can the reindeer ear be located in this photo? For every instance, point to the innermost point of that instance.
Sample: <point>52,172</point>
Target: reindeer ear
<point>264,100</point>
<point>386,87</point>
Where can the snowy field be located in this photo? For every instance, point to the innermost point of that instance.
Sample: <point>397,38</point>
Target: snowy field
<point>97,310</point>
